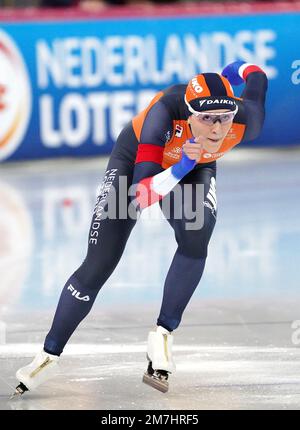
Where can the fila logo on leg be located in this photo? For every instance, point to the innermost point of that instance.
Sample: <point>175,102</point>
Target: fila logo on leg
<point>76,294</point>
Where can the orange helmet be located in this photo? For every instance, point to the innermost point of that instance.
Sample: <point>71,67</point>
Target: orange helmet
<point>209,91</point>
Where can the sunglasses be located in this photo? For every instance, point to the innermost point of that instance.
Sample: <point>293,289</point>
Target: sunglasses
<point>211,118</point>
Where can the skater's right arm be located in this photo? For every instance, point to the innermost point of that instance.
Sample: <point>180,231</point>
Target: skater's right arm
<point>152,181</point>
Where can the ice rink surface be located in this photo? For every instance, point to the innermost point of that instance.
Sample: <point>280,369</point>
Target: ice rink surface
<point>238,346</point>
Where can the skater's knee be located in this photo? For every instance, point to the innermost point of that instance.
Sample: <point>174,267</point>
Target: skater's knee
<point>193,245</point>
<point>93,274</point>
<point>93,280</point>
<point>193,252</point>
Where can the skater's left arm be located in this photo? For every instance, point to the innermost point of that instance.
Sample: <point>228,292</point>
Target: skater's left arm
<point>253,96</point>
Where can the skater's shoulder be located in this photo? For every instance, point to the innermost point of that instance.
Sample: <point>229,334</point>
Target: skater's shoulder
<point>173,100</point>
<point>173,95</point>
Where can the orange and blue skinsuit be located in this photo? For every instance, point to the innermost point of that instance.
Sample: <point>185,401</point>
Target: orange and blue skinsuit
<point>147,146</point>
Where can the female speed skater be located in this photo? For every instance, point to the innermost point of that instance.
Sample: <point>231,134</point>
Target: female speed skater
<point>173,143</point>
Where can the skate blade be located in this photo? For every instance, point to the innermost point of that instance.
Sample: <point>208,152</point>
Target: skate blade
<point>15,395</point>
<point>162,386</point>
<point>21,388</point>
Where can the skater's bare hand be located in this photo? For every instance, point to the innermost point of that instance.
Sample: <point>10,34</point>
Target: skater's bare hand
<point>193,150</point>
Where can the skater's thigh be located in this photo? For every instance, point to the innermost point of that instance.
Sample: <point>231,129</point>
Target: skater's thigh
<point>113,218</point>
<point>192,211</point>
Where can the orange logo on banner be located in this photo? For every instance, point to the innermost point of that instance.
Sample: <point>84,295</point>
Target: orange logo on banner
<point>2,92</point>
<point>15,97</point>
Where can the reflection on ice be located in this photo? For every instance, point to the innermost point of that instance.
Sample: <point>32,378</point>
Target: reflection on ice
<point>16,244</point>
<point>46,212</point>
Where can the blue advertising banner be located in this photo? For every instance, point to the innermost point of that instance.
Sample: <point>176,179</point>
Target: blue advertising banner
<point>68,88</point>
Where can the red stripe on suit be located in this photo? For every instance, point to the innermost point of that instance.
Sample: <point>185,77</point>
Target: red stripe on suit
<point>149,152</point>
